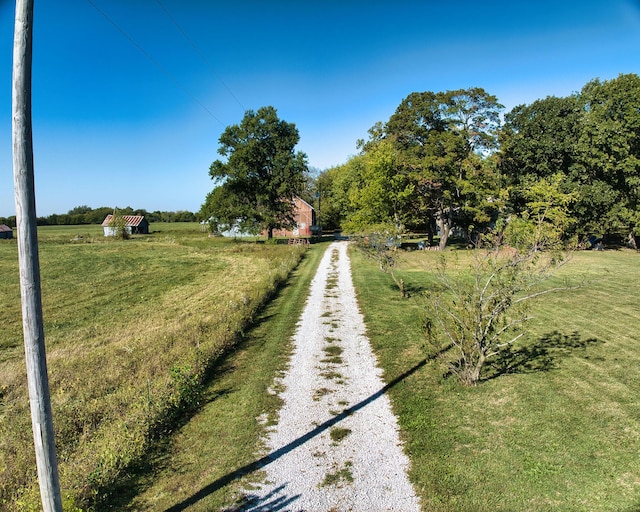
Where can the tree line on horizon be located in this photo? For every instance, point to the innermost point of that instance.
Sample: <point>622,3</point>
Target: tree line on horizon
<point>86,215</point>
<point>449,162</point>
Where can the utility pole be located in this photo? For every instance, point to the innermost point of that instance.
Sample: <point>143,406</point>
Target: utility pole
<point>32,323</point>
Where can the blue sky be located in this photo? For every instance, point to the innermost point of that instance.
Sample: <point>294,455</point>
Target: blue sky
<point>115,125</point>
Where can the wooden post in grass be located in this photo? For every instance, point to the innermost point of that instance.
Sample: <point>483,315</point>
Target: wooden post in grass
<point>35,355</point>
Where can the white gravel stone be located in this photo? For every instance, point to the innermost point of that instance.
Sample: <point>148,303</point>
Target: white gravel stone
<point>324,391</point>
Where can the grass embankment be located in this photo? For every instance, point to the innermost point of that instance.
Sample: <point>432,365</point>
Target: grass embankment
<point>132,330</point>
<point>202,465</point>
<point>556,427</point>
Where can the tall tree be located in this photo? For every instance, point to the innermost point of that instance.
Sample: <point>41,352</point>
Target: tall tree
<point>442,135</point>
<point>588,145</point>
<point>539,145</point>
<point>609,150</point>
<point>540,139</point>
<point>380,192</point>
<point>261,171</point>
<point>476,114</point>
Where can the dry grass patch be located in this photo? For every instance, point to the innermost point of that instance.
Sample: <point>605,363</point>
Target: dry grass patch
<point>341,475</point>
<point>319,393</point>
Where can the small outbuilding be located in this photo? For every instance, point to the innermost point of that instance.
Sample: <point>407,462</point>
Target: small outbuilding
<point>304,216</point>
<point>6,232</point>
<point>133,224</point>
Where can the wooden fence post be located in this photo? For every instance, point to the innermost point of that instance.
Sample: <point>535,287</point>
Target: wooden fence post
<point>32,322</point>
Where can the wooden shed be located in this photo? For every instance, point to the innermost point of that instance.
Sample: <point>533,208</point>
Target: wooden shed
<point>6,232</point>
<point>134,224</point>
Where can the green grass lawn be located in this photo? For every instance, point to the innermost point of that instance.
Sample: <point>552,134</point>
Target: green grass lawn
<point>556,427</point>
<point>553,427</point>
<point>131,328</point>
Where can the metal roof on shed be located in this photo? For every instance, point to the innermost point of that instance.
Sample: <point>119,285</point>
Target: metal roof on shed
<point>130,220</point>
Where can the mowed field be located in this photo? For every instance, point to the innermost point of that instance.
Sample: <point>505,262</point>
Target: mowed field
<point>132,326</point>
<point>132,330</point>
<point>556,424</point>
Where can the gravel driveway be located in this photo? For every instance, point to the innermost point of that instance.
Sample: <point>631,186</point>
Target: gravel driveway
<point>336,446</point>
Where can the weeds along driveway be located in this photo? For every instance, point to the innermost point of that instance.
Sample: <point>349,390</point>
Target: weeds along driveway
<point>336,444</point>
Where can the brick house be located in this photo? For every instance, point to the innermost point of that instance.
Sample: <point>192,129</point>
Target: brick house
<point>304,218</point>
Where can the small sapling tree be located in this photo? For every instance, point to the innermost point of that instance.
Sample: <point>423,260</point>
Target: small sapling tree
<point>382,248</point>
<point>481,310</point>
<point>119,225</point>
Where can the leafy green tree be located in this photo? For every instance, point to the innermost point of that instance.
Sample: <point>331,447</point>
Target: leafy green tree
<point>476,114</point>
<point>331,200</point>
<point>589,145</point>
<point>539,149</point>
<point>539,140</point>
<point>609,151</point>
<point>442,136</point>
<point>8,221</point>
<point>380,192</point>
<point>261,171</point>
<point>98,215</point>
<point>546,220</point>
<point>119,225</point>
<point>224,211</point>
<point>484,199</point>
<point>80,210</point>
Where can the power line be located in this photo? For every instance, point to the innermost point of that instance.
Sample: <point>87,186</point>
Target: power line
<point>197,50</point>
<point>155,62</point>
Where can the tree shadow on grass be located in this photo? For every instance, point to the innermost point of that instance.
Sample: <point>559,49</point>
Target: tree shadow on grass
<point>542,355</point>
<point>415,289</point>
<point>272,502</point>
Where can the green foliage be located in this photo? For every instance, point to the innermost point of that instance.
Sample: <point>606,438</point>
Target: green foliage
<point>443,161</point>
<point>82,215</point>
<point>545,222</point>
<point>187,386</point>
<point>260,174</point>
<point>332,203</point>
<point>540,139</point>
<point>609,146</point>
<point>441,136</point>
<point>119,226</point>
<point>380,191</point>
<point>589,145</point>
<point>424,167</point>
<point>223,211</point>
